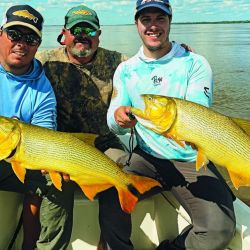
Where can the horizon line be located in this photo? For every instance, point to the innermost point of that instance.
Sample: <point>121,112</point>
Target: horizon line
<point>200,22</point>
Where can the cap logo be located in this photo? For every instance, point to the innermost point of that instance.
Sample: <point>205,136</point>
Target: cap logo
<point>82,12</point>
<point>25,14</point>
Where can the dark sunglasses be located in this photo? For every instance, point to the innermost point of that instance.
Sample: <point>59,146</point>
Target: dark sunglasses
<point>78,31</point>
<point>16,36</point>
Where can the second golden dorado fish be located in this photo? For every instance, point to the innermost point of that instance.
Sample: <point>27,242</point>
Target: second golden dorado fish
<point>37,148</point>
<point>223,140</point>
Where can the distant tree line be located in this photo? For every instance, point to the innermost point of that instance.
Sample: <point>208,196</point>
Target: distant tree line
<point>245,21</point>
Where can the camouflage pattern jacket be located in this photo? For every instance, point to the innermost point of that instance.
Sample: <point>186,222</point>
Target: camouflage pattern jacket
<point>83,92</point>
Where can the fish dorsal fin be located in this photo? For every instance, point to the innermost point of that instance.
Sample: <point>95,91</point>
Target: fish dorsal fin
<point>92,190</point>
<point>244,124</point>
<point>88,138</point>
<point>56,179</point>
<point>201,160</point>
<point>19,170</point>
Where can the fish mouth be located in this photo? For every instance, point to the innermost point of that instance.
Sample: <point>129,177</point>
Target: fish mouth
<point>159,113</point>
<point>143,119</point>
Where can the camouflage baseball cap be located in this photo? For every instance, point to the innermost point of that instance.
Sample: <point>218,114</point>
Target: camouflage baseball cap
<point>23,15</point>
<point>81,14</point>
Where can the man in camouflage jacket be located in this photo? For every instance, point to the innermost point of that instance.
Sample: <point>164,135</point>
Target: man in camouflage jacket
<point>81,74</point>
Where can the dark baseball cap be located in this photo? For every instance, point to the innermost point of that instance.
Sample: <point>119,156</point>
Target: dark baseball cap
<point>23,15</point>
<point>81,14</point>
<point>164,5</point>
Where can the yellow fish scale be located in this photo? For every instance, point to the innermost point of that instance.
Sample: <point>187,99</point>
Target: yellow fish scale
<point>223,140</point>
<point>64,153</point>
<point>217,136</point>
<point>31,147</point>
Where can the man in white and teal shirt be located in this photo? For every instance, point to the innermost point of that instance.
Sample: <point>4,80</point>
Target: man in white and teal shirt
<point>165,68</point>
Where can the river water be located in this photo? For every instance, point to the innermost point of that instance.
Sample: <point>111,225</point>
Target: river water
<point>226,47</point>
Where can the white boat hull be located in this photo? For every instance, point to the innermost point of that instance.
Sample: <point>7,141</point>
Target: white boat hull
<point>155,219</point>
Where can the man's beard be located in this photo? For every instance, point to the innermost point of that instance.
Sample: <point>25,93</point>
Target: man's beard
<point>81,53</point>
<point>154,48</point>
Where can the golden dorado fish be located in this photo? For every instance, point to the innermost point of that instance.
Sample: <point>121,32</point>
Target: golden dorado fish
<point>223,140</point>
<point>32,147</point>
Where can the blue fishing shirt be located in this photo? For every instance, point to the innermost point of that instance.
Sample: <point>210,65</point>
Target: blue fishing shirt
<point>180,74</point>
<point>28,97</point>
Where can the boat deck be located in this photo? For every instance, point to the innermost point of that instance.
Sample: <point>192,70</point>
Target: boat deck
<point>155,219</point>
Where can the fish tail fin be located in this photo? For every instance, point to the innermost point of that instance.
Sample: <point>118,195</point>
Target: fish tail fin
<point>143,184</point>
<point>127,200</point>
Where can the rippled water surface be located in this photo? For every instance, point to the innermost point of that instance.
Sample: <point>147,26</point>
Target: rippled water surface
<point>226,47</point>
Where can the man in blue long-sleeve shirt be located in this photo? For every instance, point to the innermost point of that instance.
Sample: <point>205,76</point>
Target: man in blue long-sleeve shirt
<point>26,94</point>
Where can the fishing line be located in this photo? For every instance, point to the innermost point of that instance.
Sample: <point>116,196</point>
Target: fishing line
<point>131,146</point>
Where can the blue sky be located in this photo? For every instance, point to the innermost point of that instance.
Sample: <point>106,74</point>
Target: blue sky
<point>113,12</point>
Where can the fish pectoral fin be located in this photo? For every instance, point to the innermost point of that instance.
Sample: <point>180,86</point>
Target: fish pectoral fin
<point>244,124</point>
<point>127,200</point>
<point>92,190</point>
<point>19,170</point>
<point>174,138</point>
<point>201,160</point>
<point>56,179</point>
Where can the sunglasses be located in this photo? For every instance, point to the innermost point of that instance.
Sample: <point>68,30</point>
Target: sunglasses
<point>16,36</point>
<point>78,31</point>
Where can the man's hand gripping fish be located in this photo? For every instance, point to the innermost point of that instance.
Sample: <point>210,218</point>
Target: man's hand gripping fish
<point>223,140</point>
<point>32,147</point>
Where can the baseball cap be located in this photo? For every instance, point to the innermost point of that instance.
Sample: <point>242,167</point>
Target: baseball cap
<point>23,15</point>
<point>161,4</point>
<point>81,14</point>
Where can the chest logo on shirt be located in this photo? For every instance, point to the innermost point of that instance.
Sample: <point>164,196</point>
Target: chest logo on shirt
<point>156,80</point>
<point>206,92</point>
